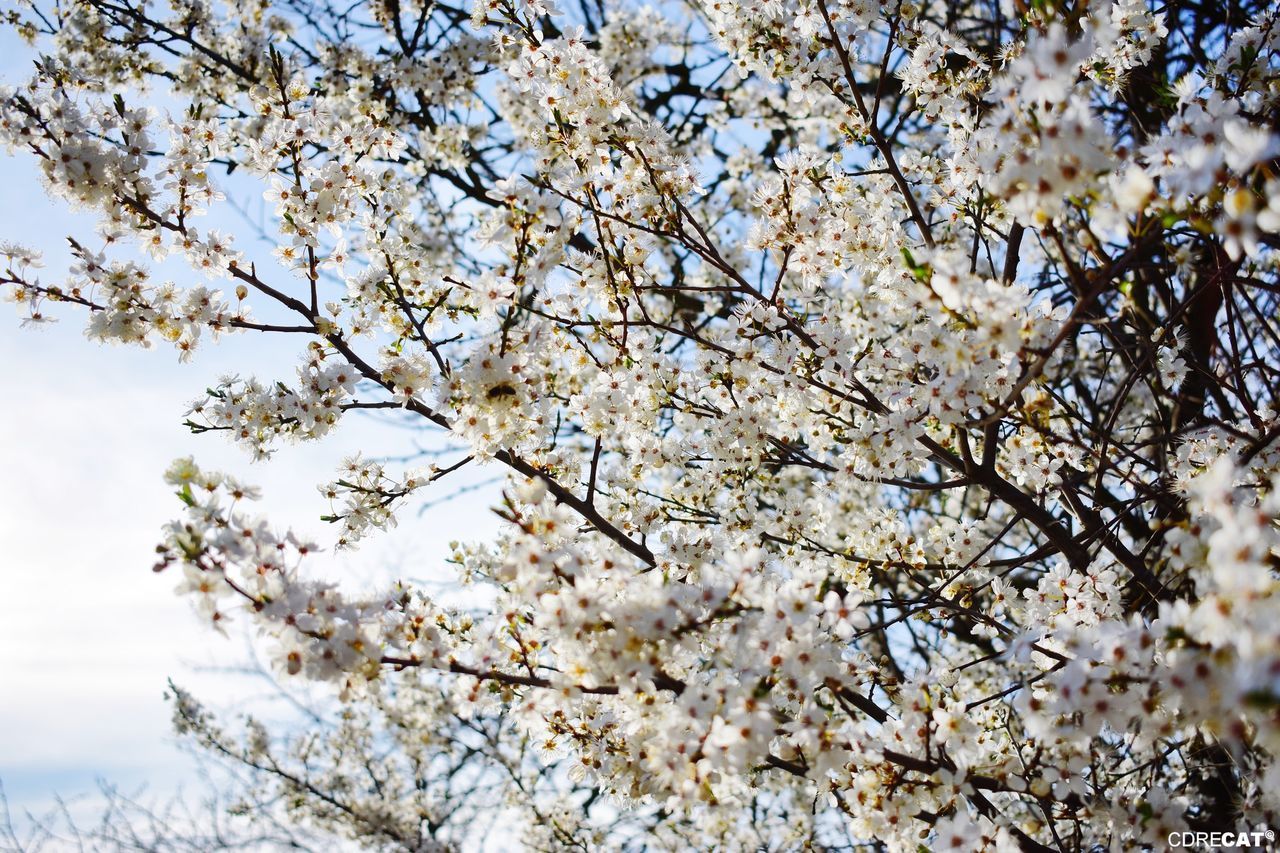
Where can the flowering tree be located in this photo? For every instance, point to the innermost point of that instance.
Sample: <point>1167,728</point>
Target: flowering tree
<point>886,395</point>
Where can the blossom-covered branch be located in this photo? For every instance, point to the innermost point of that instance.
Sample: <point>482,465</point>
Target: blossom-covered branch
<point>883,393</point>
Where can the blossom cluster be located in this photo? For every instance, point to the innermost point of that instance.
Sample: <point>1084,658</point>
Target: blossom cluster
<point>883,394</point>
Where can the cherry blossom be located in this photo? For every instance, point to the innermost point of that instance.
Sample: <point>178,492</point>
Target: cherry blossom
<point>882,398</point>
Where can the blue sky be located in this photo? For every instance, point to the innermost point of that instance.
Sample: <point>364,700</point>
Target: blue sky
<point>88,634</point>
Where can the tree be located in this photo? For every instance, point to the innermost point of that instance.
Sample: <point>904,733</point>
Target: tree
<point>885,395</point>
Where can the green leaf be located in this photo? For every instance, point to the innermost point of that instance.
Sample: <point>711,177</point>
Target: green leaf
<point>920,271</point>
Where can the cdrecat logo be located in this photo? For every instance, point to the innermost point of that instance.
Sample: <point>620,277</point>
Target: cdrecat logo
<point>1219,840</point>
